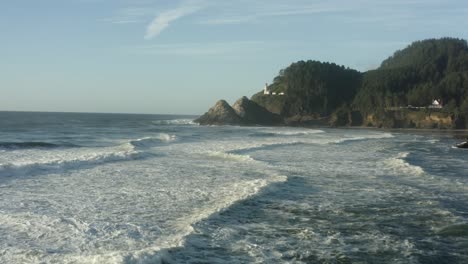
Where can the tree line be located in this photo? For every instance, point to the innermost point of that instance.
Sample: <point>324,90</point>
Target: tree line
<point>423,71</point>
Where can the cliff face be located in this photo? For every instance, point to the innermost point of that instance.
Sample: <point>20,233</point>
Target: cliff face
<point>274,104</point>
<point>404,118</point>
<point>253,114</point>
<point>411,119</point>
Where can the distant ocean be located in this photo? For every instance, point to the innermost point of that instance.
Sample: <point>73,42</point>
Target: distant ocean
<point>113,188</point>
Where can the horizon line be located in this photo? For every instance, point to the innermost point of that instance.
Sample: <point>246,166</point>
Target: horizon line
<point>84,112</point>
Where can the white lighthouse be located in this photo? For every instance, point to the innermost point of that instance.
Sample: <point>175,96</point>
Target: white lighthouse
<point>266,91</point>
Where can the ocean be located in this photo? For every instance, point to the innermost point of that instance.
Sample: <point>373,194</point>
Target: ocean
<point>115,188</point>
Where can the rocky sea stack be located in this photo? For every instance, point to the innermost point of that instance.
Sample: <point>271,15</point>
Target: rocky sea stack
<point>252,113</point>
<point>220,114</point>
<point>463,145</point>
<point>243,112</point>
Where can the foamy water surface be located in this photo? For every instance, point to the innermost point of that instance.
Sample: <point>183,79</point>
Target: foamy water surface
<point>84,188</point>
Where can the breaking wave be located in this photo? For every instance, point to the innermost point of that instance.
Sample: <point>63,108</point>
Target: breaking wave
<point>148,142</point>
<point>367,137</point>
<point>231,195</point>
<point>298,133</point>
<point>62,159</point>
<point>230,156</point>
<point>398,165</point>
<point>174,122</point>
<point>69,161</point>
<point>268,133</point>
<point>266,146</point>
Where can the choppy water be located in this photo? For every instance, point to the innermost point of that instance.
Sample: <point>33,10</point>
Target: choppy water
<point>92,188</point>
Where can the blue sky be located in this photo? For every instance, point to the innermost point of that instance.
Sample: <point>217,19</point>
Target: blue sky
<point>180,56</point>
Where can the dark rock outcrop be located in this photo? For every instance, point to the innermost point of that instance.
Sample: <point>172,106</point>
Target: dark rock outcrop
<point>252,113</point>
<point>220,114</point>
<point>463,145</point>
<point>244,112</point>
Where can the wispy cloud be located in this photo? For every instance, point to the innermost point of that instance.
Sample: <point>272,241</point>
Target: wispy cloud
<point>163,20</point>
<point>155,16</point>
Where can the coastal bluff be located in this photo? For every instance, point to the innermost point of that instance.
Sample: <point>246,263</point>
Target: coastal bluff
<point>244,112</point>
<point>423,86</point>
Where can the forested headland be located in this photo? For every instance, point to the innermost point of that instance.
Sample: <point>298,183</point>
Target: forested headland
<point>396,94</point>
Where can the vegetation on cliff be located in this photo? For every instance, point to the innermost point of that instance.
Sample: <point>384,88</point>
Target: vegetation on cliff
<point>312,88</point>
<point>394,95</point>
<point>424,71</point>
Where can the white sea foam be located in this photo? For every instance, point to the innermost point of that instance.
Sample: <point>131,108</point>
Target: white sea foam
<point>158,253</point>
<point>152,141</point>
<point>65,160</point>
<point>365,137</point>
<point>231,194</point>
<point>177,193</point>
<point>310,243</point>
<point>230,156</point>
<point>267,143</point>
<point>141,211</point>
<point>398,165</point>
<point>263,146</point>
<point>174,122</point>
<point>301,132</point>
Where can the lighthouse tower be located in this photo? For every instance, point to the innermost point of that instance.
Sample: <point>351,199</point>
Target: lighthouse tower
<point>266,91</point>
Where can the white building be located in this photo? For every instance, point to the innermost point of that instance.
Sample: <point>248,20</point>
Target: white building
<point>437,103</point>
<point>266,91</point>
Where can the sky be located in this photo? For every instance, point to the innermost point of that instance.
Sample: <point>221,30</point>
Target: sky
<point>181,56</point>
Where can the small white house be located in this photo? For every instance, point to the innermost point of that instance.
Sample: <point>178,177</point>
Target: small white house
<point>436,103</point>
<point>282,93</point>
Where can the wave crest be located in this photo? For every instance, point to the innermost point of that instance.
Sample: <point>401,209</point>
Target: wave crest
<point>272,133</point>
<point>230,156</point>
<point>148,142</point>
<point>398,165</point>
<point>174,122</point>
<point>298,133</point>
<point>69,161</point>
<point>360,138</point>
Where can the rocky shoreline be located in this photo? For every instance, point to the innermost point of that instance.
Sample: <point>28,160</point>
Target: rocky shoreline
<point>243,112</point>
<point>247,112</point>
<point>424,86</point>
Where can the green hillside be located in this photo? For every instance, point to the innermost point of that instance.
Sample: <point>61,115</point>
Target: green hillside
<point>423,71</point>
